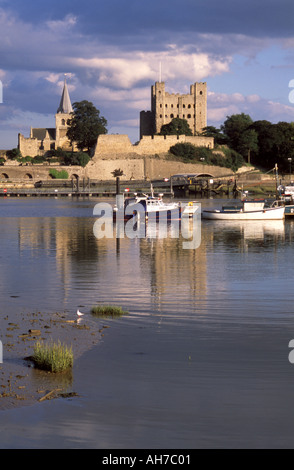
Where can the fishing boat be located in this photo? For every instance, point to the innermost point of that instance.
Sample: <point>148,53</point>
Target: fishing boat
<point>246,210</point>
<point>286,198</point>
<point>149,205</point>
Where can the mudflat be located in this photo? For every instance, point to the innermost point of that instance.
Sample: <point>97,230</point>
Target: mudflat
<point>21,383</point>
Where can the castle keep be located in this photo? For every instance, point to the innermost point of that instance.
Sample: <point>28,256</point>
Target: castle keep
<point>166,106</point>
<point>147,159</point>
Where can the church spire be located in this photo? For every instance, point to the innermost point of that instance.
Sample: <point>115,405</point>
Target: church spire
<point>65,106</point>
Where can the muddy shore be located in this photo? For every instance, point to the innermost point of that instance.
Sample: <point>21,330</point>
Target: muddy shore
<point>23,384</point>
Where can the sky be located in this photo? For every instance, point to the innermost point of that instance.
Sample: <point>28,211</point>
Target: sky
<point>112,52</point>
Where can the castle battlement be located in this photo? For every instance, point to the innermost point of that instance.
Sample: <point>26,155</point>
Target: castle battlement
<point>114,146</point>
<point>167,106</point>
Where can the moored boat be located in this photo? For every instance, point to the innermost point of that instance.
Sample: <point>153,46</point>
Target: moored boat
<point>145,205</point>
<point>246,210</point>
<point>286,198</point>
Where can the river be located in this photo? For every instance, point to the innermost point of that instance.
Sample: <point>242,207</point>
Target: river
<point>200,361</point>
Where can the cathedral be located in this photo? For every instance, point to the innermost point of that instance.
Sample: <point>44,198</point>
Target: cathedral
<point>42,140</point>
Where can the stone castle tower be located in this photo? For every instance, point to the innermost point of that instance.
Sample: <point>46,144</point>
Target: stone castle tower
<point>42,140</point>
<point>166,106</point>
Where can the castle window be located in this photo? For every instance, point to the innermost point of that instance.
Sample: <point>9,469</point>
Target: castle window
<point>172,116</point>
<point>63,122</point>
<point>184,105</point>
<point>201,93</point>
<point>189,116</point>
<point>189,106</point>
<point>160,115</point>
<point>160,105</point>
<point>172,105</point>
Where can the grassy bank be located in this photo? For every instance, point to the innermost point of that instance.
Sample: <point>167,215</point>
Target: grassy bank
<point>53,357</point>
<point>108,311</point>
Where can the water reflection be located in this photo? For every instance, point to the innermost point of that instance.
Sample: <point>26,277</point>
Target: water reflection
<point>62,255</point>
<point>244,235</point>
<point>202,358</point>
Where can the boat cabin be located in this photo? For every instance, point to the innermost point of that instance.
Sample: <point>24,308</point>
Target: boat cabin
<point>245,206</point>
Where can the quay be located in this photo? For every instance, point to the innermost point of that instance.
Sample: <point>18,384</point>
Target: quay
<point>179,185</point>
<point>84,188</point>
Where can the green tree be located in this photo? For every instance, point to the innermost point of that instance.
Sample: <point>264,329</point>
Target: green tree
<point>177,126</point>
<point>241,137</point>
<point>14,154</point>
<point>275,144</point>
<point>85,125</point>
<point>211,131</point>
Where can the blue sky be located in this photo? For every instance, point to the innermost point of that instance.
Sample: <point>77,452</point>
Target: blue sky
<point>112,50</point>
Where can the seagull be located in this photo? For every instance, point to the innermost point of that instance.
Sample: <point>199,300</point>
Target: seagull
<point>80,314</point>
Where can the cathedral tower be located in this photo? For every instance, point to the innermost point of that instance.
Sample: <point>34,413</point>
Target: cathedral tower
<point>61,117</point>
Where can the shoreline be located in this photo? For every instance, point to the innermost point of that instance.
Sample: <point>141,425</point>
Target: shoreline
<point>21,383</point>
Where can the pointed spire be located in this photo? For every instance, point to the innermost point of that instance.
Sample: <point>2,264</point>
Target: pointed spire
<point>65,106</point>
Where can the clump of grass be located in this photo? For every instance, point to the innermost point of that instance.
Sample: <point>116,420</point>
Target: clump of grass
<point>53,357</point>
<point>108,311</point>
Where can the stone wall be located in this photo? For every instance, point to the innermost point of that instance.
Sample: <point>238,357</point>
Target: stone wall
<point>102,169</point>
<point>120,146</point>
<point>148,168</point>
<point>28,146</point>
<point>136,168</point>
<point>36,172</point>
<point>146,160</point>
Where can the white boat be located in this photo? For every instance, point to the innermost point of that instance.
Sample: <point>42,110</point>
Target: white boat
<point>150,204</point>
<point>286,198</point>
<point>287,190</point>
<point>246,210</point>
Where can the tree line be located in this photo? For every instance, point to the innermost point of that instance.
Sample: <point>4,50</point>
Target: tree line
<point>241,139</point>
<point>259,142</point>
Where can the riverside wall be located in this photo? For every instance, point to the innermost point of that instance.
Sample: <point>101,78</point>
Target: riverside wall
<point>113,146</point>
<point>143,161</point>
<point>144,168</point>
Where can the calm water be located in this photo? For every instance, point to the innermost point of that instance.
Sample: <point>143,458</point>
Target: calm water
<point>202,359</point>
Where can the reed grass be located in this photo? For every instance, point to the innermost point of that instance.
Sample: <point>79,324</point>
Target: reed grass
<point>53,357</point>
<point>108,311</point>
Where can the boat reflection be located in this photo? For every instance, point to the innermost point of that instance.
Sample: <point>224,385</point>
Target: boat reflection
<point>256,230</point>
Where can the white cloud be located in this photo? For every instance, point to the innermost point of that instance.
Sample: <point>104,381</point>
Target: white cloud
<point>221,105</point>
<point>131,68</point>
<point>60,25</point>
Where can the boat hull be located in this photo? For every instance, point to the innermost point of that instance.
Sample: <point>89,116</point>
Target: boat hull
<point>273,213</point>
<point>289,210</point>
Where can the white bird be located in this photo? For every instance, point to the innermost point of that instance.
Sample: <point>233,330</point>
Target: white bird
<point>80,314</point>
